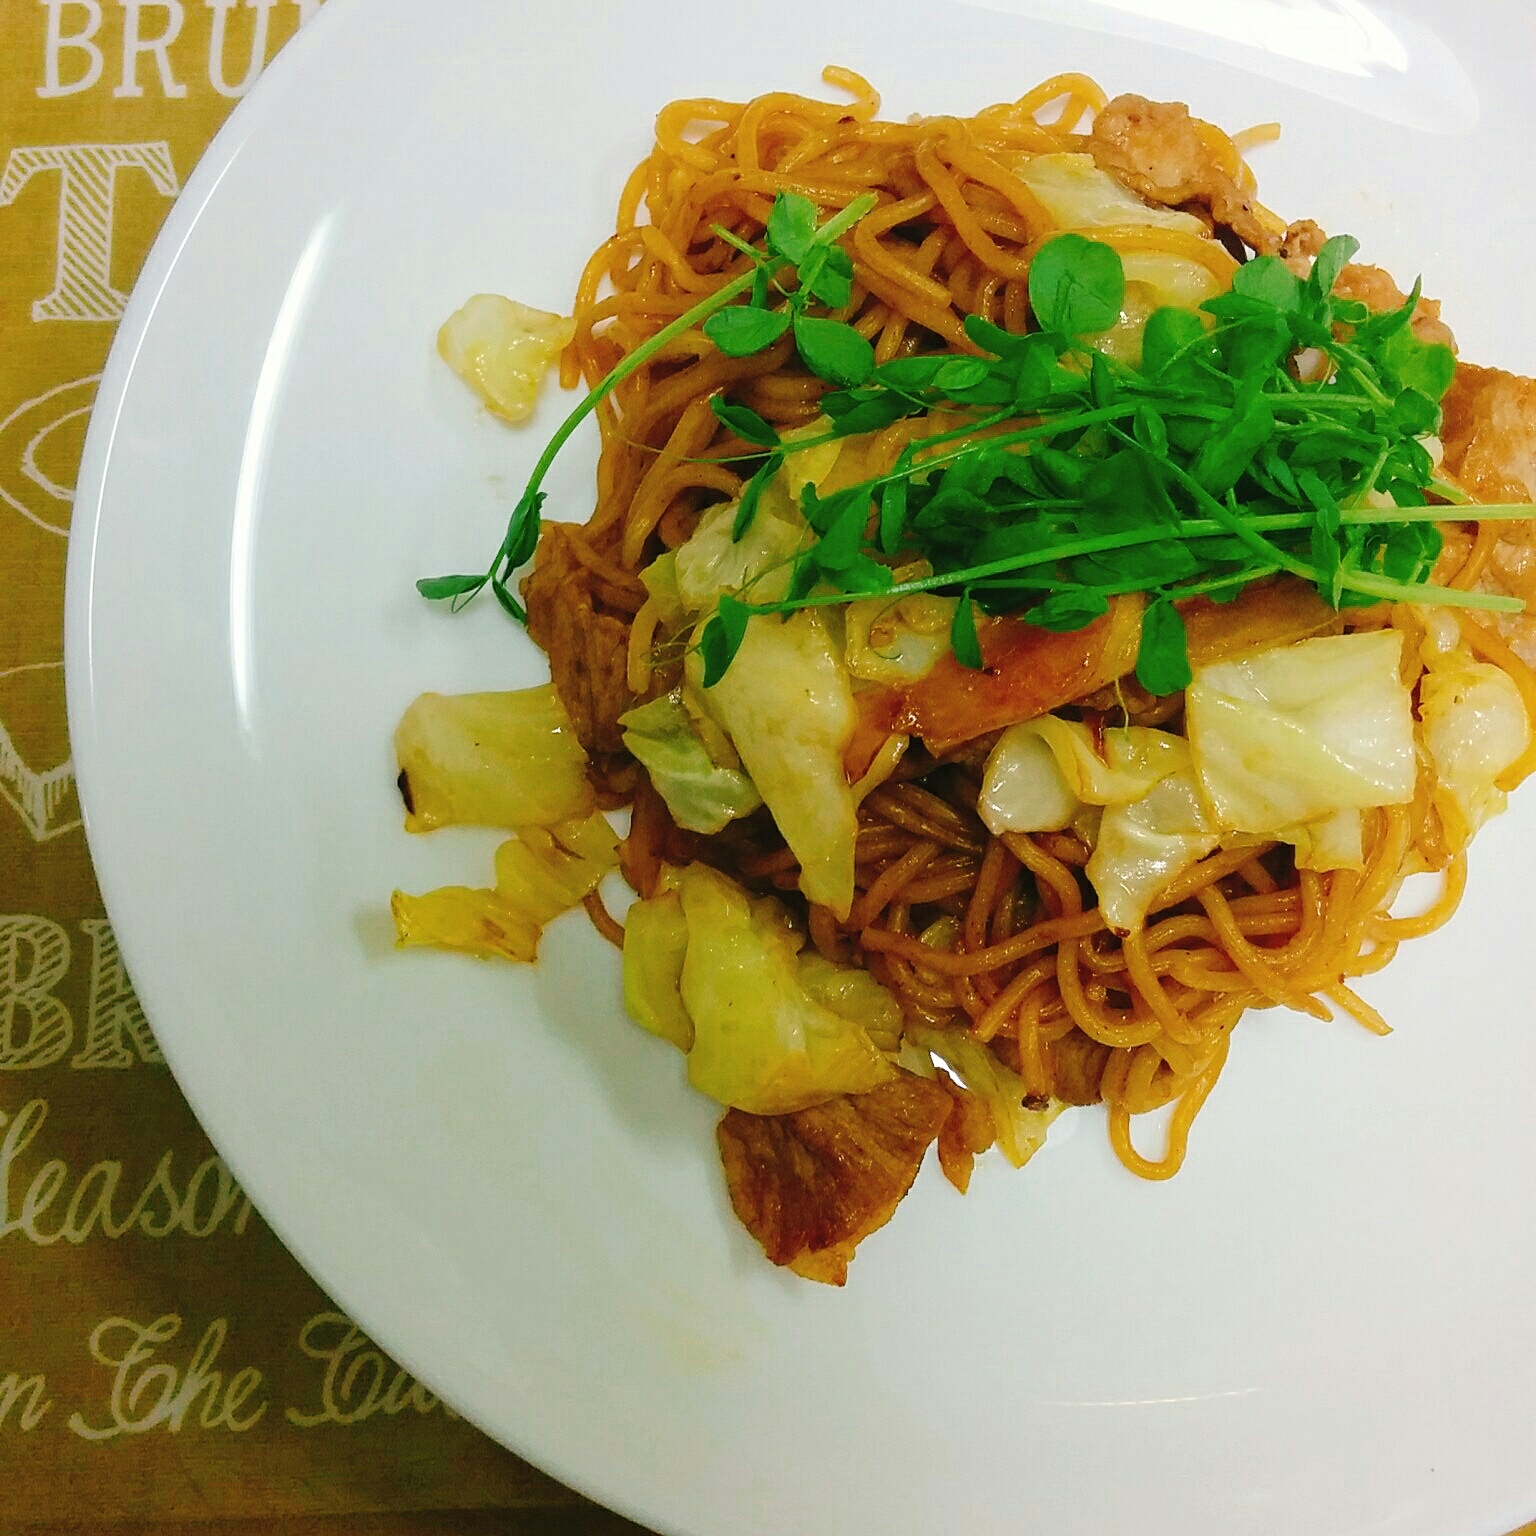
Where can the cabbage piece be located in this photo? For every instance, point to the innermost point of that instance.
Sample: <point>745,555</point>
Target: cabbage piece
<point>701,794</point>
<point>1022,788</point>
<point>811,466</point>
<point>1130,760</point>
<point>475,922</point>
<point>490,760</point>
<point>1143,844</point>
<point>761,1043</point>
<point>836,464</point>
<point>542,874</point>
<point>778,925</point>
<point>787,705</point>
<point>942,933</point>
<point>897,642</point>
<point>591,838</point>
<point>502,350</point>
<point>1078,195</point>
<point>1020,1129</point>
<point>1041,773</point>
<point>655,942</point>
<point>852,993</point>
<point>1293,734</point>
<point>1331,842</point>
<point>659,579</point>
<point>914,1059</point>
<point>1474,727</point>
<point>1153,280</point>
<point>713,562</point>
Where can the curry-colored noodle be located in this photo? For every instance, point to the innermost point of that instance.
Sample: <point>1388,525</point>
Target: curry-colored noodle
<point>999,935</point>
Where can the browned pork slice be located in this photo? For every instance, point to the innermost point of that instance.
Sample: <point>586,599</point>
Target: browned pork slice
<point>587,648</point>
<point>1489,433</point>
<point>1166,156</point>
<point>812,1185</point>
<point>967,1132</point>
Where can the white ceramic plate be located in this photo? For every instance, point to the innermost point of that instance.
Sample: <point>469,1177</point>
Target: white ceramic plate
<point>1326,1324</point>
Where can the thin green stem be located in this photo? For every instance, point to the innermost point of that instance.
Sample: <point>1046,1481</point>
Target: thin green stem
<point>1499,512</point>
<point>1426,595</point>
<point>1194,528</point>
<point>642,354</point>
<point>844,219</point>
<point>1241,527</point>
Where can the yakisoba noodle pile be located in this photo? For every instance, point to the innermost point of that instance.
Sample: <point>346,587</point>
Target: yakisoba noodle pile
<point>946,172</point>
<point>1138,1024</point>
<point>993,942</point>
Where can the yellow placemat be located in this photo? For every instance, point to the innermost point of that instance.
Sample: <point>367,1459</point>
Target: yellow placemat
<point>162,1358</point>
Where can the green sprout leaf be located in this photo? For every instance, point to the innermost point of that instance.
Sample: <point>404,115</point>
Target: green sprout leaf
<point>509,603</point>
<point>832,282</point>
<point>1102,389</point>
<point>853,413</point>
<point>1335,255</point>
<point>1151,431</point>
<point>841,545</point>
<point>722,638</point>
<point>1415,413</point>
<point>1170,334</point>
<point>522,536</point>
<point>993,338</point>
<point>893,505</point>
<point>1268,280</point>
<point>1427,367</point>
<point>1076,285</point>
<point>743,332</point>
<point>1227,453</point>
<point>438,588</point>
<point>1069,609</point>
<point>744,422</point>
<point>791,227</point>
<point>833,351</point>
<point>751,494</point>
<point>912,373</point>
<point>1162,662</point>
<point>960,373</point>
<point>962,633</point>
